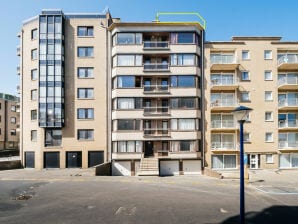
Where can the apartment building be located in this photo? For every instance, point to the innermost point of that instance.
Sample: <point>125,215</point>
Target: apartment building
<point>9,122</point>
<point>156,98</point>
<point>63,73</point>
<point>260,73</point>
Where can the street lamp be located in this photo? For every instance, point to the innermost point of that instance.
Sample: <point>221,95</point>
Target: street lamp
<point>241,115</point>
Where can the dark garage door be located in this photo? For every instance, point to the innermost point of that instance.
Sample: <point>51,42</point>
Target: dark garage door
<point>73,159</point>
<point>51,160</point>
<point>95,158</point>
<point>29,160</point>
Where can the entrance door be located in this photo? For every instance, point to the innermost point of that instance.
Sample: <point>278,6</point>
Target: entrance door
<point>254,161</point>
<point>148,148</point>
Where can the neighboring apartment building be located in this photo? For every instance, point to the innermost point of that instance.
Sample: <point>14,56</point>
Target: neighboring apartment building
<point>63,77</point>
<point>260,73</point>
<point>156,98</point>
<point>9,122</point>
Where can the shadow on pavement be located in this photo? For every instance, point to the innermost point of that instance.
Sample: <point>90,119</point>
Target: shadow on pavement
<point>272,215</point>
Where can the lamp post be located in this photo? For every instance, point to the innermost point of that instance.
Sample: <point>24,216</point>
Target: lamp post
<point>241,113</point>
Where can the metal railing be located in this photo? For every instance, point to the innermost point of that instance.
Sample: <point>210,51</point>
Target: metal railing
<point>156,110</point>
<point>222,59</point>
<point>156,44</point>
<point>224,103</point>
<point>288,123</point>
<point>18,70</point>
<point>288,103</point>
<point>18,50</point>
<point>287,59</point>
<point>287,144</point>
<point>223,145</point>
<point>156,88</point>
<point>223,124</point>
<point>156,66</point>
<point>288,81</point>
<point>224,81</point>
<point>156,132</point>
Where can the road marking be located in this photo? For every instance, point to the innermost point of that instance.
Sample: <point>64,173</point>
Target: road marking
<point>223,210</point>
<point>276,193</point>
<point>126,211</point>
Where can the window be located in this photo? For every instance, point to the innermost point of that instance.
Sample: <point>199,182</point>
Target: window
<point>33,135</point>
<point>85,31</point>
<point>53,137</point>
<point>13,120</point>
<point>85,134</point>
<point>183,81</point>
<point>85,113</point>
<point>34,54</point>
<point>85,93</point>
<point>268,96</point>
<point>267,54</point>
<point>183,124</point>
<point>245,55</point>
<point>33,115</point>
<point>127,60</point>
<point>13,132</point>
<point>288,160</point>
<point>127,38</point>
<point>269,137</point>
<point>224,162</point>
<point>127,103</point>
<point>127,124</point>
<point>268,116</point>
<point>269,158</point>
<point>183,145</point>
<point>245,76</point>
<point>13,108</point>
<point>183,103</point>
<point>85,72</point>
<point>182,38</point>
<point>268,75</point>
<point>85,52</point>
<point>34,34</point>
<point>34,94</point>
<point>34,74</point>
<point>127,146</point>
<point>183,59</point>
<point>245,96</point>
<point>128,81</point>
<point>246,137</point>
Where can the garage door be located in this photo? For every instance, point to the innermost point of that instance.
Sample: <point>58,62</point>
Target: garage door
<point>73,159</point>
<point>192,167</point>
<point>51,160</point>
<point>121,168</point>
<point>169,168</point>
<point>95,158</point>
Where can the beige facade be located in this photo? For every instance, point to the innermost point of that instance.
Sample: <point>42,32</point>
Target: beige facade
<point>260,73</point>
<point>81,141</point>
<point>9,122</point>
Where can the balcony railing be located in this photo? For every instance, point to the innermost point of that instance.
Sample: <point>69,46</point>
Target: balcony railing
<point>223,124</point>
<point>156,66</point>
<point>224,103</point>
<point>156,44</point>
<point>223,145</point>
<point>18,50</point>
<point>287,59</point>
<point>156,132</point>
<point>288,103</point>
<point>224,82</point>
<point>156,88</point>
<point>156,110</point>
<point>287,144</point>
<point>223,59</point>
<point>18,70</point>
<point>288,81</point>
<point>288,123</point>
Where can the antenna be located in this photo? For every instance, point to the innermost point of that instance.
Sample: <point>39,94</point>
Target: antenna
<point>106,10</point>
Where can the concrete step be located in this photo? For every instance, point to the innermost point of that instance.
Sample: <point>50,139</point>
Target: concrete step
<point>149,167</point>
<point>148,173</point>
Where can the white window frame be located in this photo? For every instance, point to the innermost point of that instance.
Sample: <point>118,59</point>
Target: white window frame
<point>268,54</point>
<point>268,134</point>
<point>245,55</point>
<point>271,115</point>
<point>269,158</point>
<point>245,93</point>
<point>248,76</point>
<point>267,94</point>
<point>265,75</point>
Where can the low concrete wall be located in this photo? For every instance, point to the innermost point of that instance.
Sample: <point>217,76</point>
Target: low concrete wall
<point>211,173</point>
<point>104,169</point>
<point>9,165</point>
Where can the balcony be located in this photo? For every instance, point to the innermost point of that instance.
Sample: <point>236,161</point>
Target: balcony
<point>18,51</point>
<point>223,104</point>
<point>156,67</point>
<point>156,89</point>
<point>223,83</point>
<point>156,111</point>
<point>18,70</point>
<point>288,124</point>
<point>221,62</point>
<point>287,145</point>
<point>223,124</point>
<point>156,45</point>
<point>288,104</point>
<point>156,132</point>
<point>287,61</point>
<point>225,146</point>
<point>288,83</point>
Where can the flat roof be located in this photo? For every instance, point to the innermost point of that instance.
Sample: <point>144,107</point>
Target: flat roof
<point>235,38</point>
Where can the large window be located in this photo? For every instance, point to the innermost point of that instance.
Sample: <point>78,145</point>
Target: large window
<point>127,60</point>
<point>85,134</point>
<point>127,38</point>
<point>187,124</point>
<point>128,146</point>
<point>85,52</point>
<point>85,31</point>
<point>183,38</point>
<point>224,162</point>
<point>126,124</point>
<point>85,113</point>
<point>34,54</point>
<point>183,145</point>
<point>85,93</point>
<point>183,81</point>
<point>128,81</point>
<point>85,72</point>
<point>53,137</point>
<point>127,103</point>
<point>183,103</point>
<point>288,160</point>
<point>183,59</point>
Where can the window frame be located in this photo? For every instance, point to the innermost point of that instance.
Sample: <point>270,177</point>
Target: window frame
<point>34,94</point>
<point>86,51</point>
<point>271,160</point>
<point>86,134</point>
<point>86,33</point>
<point>248,96</point>
<point>266,54</point>
<point>271,96</point>
<point>33,135</point>
<point>268,72</point>
<point>86,90</point>
<point>34,34</point>
<point>32,117</point>
<point>248,76</point>
<point>34,54</point>
<point>269,134</point>
<point>243,54</point>
<point>85,70</point>
<point>271,116</point>
<point>86,114</point>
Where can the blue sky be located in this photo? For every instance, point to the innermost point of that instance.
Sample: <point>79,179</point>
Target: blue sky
<point>225,18</point>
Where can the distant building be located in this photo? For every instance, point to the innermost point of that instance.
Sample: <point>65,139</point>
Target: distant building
<point>9,122</point>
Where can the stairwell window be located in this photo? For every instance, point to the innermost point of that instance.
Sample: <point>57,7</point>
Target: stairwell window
<point>245,96</point>
<point>245,55</point>
<point>268,75</point>
<point>268,137</point>
<point>267,54</point>
<point>85,52</point>
<point>85,72</point>
<point>245,76</point>
<point>85,134</point>
<point>85,93</point>
<point>268,96</point>
<point>268,116</point>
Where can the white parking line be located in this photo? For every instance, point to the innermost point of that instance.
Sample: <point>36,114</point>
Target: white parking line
<point>261,189</point>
